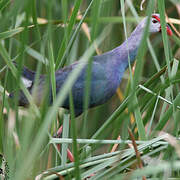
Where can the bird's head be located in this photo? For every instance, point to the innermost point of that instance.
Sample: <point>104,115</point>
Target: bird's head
<point>155,25</point>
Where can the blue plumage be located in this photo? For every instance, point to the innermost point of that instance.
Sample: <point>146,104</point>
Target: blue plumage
<point>106,72</point>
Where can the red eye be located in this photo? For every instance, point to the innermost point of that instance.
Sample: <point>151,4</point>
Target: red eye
<point>154,21</point>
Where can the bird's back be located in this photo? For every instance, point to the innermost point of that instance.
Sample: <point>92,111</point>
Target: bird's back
<point>102,86</point>
<point>105,77</point>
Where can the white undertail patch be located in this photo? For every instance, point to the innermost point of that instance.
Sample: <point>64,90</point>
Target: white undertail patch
<point>26,82</point>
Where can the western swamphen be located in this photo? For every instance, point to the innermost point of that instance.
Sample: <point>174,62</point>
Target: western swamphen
<point>106,73</point>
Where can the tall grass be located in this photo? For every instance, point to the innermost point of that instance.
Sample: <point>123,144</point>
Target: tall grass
<point>47,35</point>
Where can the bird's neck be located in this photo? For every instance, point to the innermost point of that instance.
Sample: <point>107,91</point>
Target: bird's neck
<point>116,60</point>
<point>129,49</point>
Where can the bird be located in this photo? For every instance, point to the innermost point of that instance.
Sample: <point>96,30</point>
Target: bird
<point>106,71</point>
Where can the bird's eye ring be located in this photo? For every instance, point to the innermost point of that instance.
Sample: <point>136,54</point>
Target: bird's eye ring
<point>154,21</point>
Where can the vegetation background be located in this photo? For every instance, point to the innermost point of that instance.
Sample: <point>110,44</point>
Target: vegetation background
<point>47,35</point>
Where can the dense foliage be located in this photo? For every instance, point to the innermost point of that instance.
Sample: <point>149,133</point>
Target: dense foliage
<point>47,35</point>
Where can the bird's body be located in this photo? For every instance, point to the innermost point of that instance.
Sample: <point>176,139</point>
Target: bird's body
<point>106,73</point>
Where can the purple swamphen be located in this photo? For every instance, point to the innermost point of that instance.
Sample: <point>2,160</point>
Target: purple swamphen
<point>106,72</point>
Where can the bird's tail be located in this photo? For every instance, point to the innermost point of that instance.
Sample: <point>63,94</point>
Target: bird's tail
<point>28,74</point>
<point>27,77</point>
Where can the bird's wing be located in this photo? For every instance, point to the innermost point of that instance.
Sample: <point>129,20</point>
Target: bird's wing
<point>98,84</point>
